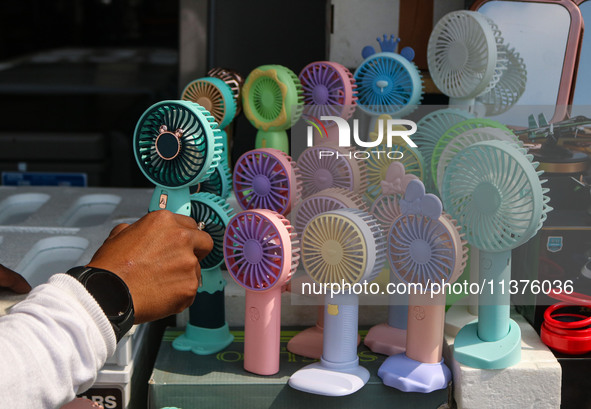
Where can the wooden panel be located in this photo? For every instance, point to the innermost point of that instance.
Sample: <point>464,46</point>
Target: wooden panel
<point>415,25</point>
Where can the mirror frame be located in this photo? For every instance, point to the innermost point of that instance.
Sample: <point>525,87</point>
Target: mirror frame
<point>566,89</point>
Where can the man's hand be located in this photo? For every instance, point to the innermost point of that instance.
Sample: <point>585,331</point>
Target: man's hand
<point>13,281</point>
<point>158,258</point>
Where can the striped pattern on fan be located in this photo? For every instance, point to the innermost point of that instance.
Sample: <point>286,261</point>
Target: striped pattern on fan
<point>177,143</point>
<point>339,170</point>
<point>465,54</point>
<point>388,83</point>
<point>329,90</point>
<point>510,87</point>
<point>219,183</point>
<point>454,131</point>
<point>324,201</point>
<point>466,139</point>
<point>214,95</point>
<point>267,179</point>
<point>233,79</point>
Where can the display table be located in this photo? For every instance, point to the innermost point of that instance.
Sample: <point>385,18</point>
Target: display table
<point>186,380</point>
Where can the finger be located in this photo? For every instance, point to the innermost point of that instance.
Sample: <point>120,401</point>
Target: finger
<point>118,229</point>
<point>198,275</point>
<point>202,244</point>
<point>13,281</point>
<point>185,221</point>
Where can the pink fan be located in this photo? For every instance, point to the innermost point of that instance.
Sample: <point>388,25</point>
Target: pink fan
<point>327,166</point>
<point>390,338</point>
<point>329,90</point>
<point>266,178</point>
<point>425,248</point>
<point>261,253</point>
<point>308,342</point>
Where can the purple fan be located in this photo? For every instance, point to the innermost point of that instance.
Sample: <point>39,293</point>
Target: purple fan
<point>327,166</point>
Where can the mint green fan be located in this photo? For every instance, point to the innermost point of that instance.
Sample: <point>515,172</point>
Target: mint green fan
<point>493,190</point>
<point>176,144</point>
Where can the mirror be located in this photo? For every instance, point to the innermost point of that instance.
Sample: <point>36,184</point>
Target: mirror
<point>547,35</point>
<point>582,96</point>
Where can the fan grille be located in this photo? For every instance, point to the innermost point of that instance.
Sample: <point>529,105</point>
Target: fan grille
<point>260,249</point>
<point>377,166</point>
<point>430,128</point>
<point>219,183</point>
<point>233,79</point>
<point>510,87</point>
<point>267,179</point>
<point>340,169</point>
<point>214,95</point>
<point>343,246</point>
<point>494,192</point>
<point>462,54</point>
<point>328,89</point>
<point>272,98</point>
<point>424,250</point>
<point>200,144</point>
<point>388,84</point>
<point>324,201</point>
<point>215,213</point>
<point>453,132</point>
<point>468,138</point>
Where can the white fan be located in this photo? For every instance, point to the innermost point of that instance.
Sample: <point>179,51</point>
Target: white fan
<point>466,56</point>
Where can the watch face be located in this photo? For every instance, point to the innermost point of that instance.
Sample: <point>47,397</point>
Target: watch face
<point>110,292</point>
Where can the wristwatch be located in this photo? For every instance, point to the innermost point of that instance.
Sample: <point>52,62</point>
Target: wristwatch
<point>111,293</point>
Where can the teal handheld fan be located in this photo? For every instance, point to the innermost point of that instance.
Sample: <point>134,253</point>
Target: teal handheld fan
<point>493,190</point>
<point>207,331</point>
<point>176,145</point>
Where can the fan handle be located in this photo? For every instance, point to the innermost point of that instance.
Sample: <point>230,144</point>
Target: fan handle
<point>426,317</point>
<point>262,329</point>
<point>176,200</point>
<point>340,331</point>
<point>272,139</point>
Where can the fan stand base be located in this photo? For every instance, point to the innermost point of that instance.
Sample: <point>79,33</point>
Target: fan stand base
<point>308,342</point>
<point>321,379</point>
<point>203,341</point>
<point>470,350</point>
<point>272,139</point>
<point>456,318</point>
<point>408,375</point>
<point>387,340</point>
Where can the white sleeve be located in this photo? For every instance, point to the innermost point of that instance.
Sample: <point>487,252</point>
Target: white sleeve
<point>52,345</point>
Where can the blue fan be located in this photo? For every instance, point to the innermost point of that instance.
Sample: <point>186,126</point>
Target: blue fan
<point>387,83</point>
<point>219,182</point>
<point>176,145</point>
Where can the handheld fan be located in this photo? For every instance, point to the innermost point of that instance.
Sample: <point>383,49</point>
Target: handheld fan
<point>388,83</point>
<point>233,79</point>
<point>390,338</point>
<point>425,248</point>
<point>430,128</point>
<point>330,166</point>
<point>510,87</point>
<point>339,246</point>
<point>261,253</point>
<point>267,179</point>
<point>272,101</point>
<point>381,157</point>
<point>176,145</point>
<point>466,56</point>
<point>328,90</point>
<point>216,96</point>
<point>308,342</point>
<point>453,132</point>
<point>207,331</point>
<point>465,139</point>
<point>494,191</point>
<point>219,182</point>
